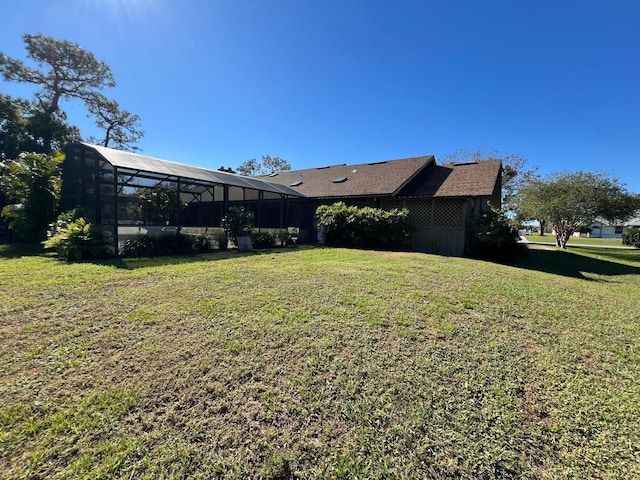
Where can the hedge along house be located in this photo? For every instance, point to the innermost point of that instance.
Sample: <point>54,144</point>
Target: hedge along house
<point>440,199</point>
<point>134,194</point>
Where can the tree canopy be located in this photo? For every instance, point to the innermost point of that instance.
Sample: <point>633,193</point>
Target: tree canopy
<point>32,129</point>
<point>569,201</point>
<point>13,127</point>
<point>121,128</point>
<point>62,70</point>
<point>514,170</point>
<point>26,128</point>
<point>267,166</point>
<point>65,70</point>
<point>31,184</point>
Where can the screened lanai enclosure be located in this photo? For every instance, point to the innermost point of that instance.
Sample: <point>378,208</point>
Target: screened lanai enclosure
<point>134,194</point>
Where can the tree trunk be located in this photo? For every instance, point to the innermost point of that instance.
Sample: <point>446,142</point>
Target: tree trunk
<point>107,137</point>
<point>562,237</point>
<point>49,111</point>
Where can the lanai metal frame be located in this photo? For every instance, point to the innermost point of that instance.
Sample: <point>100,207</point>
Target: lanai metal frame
<point>106,181</point>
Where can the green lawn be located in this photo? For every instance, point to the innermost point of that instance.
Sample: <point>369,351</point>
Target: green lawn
<point>573,240</point>
<point>321,363</point>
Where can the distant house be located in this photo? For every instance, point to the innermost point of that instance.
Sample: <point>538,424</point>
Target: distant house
<point>603,229</point>
<point>113,187</point>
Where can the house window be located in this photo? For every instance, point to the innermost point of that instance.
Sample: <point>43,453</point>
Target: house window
<point>618,230</point>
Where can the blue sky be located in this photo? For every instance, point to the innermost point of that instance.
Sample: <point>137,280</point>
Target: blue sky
<point>217,82</point>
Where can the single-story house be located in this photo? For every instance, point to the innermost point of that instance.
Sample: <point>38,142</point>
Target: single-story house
<point>604,229</point>
<point>133,193</point>
<point>440,198</point>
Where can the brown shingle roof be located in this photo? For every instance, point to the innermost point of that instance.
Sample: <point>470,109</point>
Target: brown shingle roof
<point>456,180</point>
<point>407,177</point>
<point>366,179</point>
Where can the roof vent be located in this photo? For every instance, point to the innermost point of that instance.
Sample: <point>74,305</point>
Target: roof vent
<point>340,180</point>
<point>295,184</point>
<point>458,164</point>
<point>330,166</point>
<point>377,163</point>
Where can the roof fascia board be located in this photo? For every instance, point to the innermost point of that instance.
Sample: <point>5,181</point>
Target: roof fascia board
<point>370,195</point>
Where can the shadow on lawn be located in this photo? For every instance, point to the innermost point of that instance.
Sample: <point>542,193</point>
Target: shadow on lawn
<point>580,260</point>
<point>19,250</point>
<point>135,263</point>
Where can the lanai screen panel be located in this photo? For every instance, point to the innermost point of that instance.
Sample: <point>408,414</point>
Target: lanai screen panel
<point>137,162</point>
<point>121,188</point>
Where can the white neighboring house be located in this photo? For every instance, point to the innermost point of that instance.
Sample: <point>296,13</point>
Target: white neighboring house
<point>602,229</point>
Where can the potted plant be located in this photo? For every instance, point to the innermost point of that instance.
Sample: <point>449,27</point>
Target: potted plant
<point>238,224</point>
<point>283,236</point>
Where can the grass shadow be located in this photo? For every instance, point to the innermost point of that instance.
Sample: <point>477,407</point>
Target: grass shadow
<point>579,261</point>
<point>19,250</point>
<point>136,263</point>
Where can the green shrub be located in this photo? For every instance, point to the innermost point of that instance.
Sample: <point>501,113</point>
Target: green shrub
<point>169,243</point>
<point>262,240</point>
<point>337,222</point>
<point>31,185</point>
<point>221,239</point>
<point>203,243</point>
<point>175,244</point>
<point>632,237</point>
<point>158,205</point>
<point>378,228</point>
<point>284,237</point>
<point>140,245</point>
<point>237,222</point>
<point>493,236</point>
<point>365,227</point>
<point>74,238</point>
